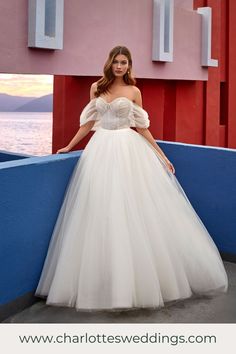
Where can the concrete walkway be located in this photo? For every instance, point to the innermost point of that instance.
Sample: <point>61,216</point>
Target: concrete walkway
<point>219,309</point>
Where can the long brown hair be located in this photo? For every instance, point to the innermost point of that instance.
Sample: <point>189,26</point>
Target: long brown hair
<point>108,78</point>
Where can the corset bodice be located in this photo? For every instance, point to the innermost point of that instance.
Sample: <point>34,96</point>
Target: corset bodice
<point>115,114</point>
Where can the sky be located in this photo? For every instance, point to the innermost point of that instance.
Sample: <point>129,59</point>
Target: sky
<point>26,85</point>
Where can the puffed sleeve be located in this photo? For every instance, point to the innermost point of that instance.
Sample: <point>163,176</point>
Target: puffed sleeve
<point>139,117</point>
<point>90,113</point>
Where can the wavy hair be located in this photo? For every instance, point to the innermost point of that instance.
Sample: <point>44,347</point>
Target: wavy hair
<point>108,78</point>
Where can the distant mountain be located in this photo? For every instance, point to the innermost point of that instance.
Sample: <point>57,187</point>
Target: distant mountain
<point>41,104</point>
<point>10,103</point>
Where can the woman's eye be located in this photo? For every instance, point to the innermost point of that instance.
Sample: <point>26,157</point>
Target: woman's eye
<point>122,62</point>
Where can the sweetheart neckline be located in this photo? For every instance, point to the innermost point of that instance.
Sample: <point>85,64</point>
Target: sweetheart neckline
<point>115,99</point>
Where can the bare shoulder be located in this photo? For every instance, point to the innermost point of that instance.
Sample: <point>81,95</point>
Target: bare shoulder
<point>136,89</point>
<point>137,95</point>
<point>93,89</point>
<point>94,85</point>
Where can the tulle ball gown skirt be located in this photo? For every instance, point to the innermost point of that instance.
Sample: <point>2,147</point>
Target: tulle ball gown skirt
<point>126,235</point>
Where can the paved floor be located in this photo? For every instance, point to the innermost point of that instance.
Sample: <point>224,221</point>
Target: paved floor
<point>219,309</point>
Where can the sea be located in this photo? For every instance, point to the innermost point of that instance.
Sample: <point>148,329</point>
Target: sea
<point>26,132</point>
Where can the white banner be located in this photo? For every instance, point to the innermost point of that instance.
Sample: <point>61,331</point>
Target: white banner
<point>117,338</point>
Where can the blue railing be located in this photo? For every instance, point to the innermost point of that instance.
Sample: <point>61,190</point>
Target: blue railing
<point>9,156</point>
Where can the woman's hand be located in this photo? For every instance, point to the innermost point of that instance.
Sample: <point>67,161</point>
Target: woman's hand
<point>170,166</point>
<point>63,150</point>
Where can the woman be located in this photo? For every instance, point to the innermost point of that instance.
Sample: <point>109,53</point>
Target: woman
<point>126,236</point>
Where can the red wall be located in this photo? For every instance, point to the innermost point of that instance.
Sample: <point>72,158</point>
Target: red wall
<point>196,112</point>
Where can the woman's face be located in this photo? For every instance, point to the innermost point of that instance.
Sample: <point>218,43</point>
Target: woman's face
<point>120,65</point>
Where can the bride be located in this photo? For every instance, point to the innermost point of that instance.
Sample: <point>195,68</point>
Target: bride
<point>126,236</point>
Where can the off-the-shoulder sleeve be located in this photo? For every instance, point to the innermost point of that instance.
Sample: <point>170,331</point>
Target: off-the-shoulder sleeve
<point>89,113</point>
<point>139,117</point>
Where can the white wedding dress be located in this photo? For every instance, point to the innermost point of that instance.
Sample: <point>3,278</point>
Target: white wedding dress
<point>126,236</point>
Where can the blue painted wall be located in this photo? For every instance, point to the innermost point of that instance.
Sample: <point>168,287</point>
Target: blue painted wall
<point>208,176</point>
<point>32,191</point>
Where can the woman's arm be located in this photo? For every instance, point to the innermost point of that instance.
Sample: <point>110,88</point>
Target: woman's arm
<point>147,135</point>
<point>81,133</point>
<point>83,130</point>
